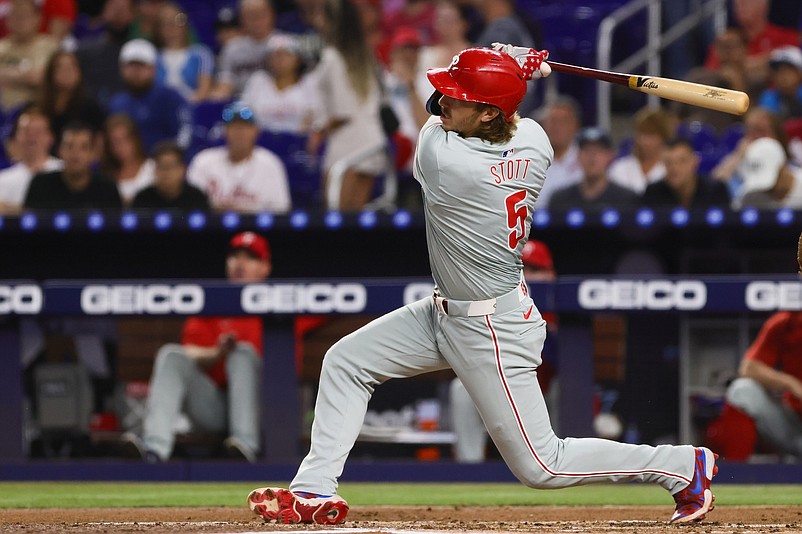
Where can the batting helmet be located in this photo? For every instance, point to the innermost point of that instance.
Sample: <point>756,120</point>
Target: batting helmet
<point>481,75</point>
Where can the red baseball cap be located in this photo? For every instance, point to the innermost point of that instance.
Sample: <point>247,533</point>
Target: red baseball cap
<point>254,244</point>
<point>537,255</point>
<point>406,36</point>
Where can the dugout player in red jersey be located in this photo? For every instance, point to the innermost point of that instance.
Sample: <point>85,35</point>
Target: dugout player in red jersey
<point>213,376</point>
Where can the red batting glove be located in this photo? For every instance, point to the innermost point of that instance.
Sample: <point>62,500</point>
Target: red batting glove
<point>532,62</point>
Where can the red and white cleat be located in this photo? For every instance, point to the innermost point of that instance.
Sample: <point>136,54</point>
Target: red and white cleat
<point>697,499</point>
<point>284,506</point>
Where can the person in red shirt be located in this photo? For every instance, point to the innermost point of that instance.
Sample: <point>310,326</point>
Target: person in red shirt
<point>762,36</point>
<point>214,374</point>
<point>769,387</point>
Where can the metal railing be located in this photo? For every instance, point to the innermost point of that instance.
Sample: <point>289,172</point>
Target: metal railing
<point>657,40</point>
<point>385,201</point>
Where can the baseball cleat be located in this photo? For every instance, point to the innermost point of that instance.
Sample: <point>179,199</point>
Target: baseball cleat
<point>696,500</point>
<point>284,506</point>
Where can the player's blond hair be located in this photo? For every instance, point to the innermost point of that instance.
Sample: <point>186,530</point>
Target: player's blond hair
<point>498,130</point>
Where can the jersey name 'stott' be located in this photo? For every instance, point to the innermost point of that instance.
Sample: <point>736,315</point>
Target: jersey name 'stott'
<point>478,199</point>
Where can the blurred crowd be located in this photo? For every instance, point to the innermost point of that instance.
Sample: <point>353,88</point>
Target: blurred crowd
<point>308,103</point>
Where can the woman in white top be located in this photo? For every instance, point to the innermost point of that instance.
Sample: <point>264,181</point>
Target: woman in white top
<point>185,67</point>
<point>283,99</point>
<point>653,129</point>
<point>350,95</point>
<point>124,157</point>
<point>451,25</point>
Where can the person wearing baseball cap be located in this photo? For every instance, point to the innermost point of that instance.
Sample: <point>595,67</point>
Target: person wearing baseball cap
<point>784,96</point>
<point>596,153</point>
<point>160,112</point>
<point>768,182</point>
<point>214,374</point>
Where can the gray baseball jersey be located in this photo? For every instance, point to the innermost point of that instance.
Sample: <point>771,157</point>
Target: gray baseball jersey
<point>478,202</point>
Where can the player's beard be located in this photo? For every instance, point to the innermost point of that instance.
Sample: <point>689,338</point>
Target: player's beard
<point>466,126</point>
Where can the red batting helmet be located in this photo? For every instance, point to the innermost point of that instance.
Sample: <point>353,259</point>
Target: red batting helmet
<point>482,75</point>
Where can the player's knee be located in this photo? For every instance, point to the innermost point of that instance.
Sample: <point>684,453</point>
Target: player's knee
<point>337,359</point>
<point>745,393</point>
<point>171,355</point>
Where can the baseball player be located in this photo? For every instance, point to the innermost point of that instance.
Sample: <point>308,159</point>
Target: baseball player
<point>480,167</point>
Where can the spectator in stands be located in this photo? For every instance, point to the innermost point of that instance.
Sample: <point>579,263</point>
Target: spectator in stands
<point>244,55</point>
<point>762,36</point>
<point>653,128</point>
<point>170,188</point>
<point>124,157</point>
<point>76,186</point>
<point>159,111</point>
<point>23,55</point>
<point>768,182</point>
<point>561,121</point>
<point>146,20</point>
<point>370,19</point>
<point>682,185</point>
<point>350,123</point>
<point>31,141</point>
<point>241,176</point>
<point>402,94</point>
<point>596,152</point>
<point>784,97</point>
<point>99,58</point>
<point>418,14</point>
<point>186,67</point>
<point>304,22</point>
<point>226,27</point>
<point>470,444</point>
<point>62,97</point>
<point>283,98</point>
<point>214,374</point>
<point>769,386</point>
<point>451,25</point>
<point>56,17</point>
<point>758,122</point>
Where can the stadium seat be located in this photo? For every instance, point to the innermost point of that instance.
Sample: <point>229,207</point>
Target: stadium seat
<point>303,169</point>
<point>730,136</point>
<point>704,139</point>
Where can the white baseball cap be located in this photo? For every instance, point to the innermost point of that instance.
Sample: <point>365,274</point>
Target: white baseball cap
<point>138,50</point>
<point>786,55</point>
<point>761,164</point>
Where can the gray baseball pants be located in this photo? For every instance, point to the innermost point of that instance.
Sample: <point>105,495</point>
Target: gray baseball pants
<point>179,384</point>
<point>495,356</point>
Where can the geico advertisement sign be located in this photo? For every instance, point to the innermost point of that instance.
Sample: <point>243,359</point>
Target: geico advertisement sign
<point>642,295</point>
<point>765,296</point>
<point>303,298</point>
<point>155,299</point>
<point>24,299</point>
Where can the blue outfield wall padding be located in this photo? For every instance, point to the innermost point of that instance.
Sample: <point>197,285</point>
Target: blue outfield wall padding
<point>357,471</point>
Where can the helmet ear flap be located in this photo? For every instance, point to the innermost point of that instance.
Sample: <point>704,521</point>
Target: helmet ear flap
<point>433,104</point>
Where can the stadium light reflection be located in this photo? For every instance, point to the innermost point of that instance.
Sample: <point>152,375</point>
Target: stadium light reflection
<point>644,217</point>
<point>129,221</point>
<point>610,218</point>
<point>264,220</point>
<point>62,221</point>
<point>680,217</point>
<point>196,220</point>
<point>95,221</point>
<point>299,219</point>
<point>367,219</point>
<point>750,216</point>
<point>333,219</point>
<point>402,219</point>
<point>575,218</point>
<point>231,220</point>
<point>28,222</point>
<point>541,218</point>
<point>785,216</point>
<point>162,221</point>
<point>714,216</point>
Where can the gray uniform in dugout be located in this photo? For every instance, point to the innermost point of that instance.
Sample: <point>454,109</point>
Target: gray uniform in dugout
<point>478,201</point>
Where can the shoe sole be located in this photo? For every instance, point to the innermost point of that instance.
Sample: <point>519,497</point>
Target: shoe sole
<point>711,470</point>
<point>282,506</point>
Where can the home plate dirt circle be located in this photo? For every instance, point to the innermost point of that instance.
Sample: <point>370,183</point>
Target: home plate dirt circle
<point>408,520</point>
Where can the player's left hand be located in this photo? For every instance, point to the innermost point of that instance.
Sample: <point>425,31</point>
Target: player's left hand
<point>533,62</point>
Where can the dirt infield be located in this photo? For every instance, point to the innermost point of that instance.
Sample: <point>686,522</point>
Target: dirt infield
<point>396,520</point>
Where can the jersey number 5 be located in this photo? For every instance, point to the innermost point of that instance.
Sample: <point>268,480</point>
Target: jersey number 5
<point>516,216</point>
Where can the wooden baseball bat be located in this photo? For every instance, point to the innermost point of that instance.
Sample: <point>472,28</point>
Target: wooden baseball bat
<point>696,94</point>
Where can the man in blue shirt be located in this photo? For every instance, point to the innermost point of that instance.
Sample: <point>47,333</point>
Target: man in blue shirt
<point>159,111</point>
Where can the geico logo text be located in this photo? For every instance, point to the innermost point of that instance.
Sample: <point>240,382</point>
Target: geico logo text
<point>299,298</point>
<point>415,292</point>
<point>764,296</point>
<point>157,299</point>
<point>642,295</point>
<point>23,299</point>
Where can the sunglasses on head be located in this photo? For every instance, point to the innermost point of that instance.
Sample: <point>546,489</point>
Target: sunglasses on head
<point>244,113</point>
